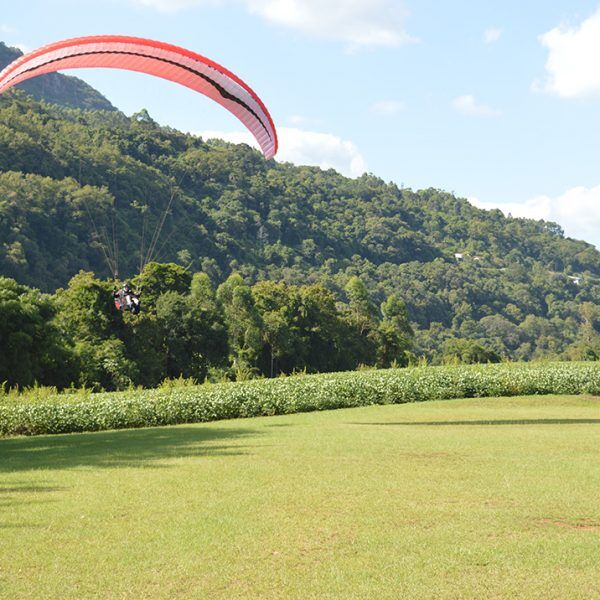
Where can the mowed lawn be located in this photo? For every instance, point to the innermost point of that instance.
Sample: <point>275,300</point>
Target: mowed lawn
<point>480,498</point>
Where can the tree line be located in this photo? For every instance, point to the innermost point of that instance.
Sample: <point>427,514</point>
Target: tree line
<point>189,328</point>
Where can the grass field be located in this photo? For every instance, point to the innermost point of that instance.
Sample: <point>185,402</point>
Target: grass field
<point>480,498</point>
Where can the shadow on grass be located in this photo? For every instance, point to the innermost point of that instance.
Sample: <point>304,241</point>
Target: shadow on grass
<point>494,422</point>
<point>110,449</point>
<point>26,489</point>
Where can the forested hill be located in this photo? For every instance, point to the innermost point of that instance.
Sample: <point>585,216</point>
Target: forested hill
<point>70,178</point>
<point>57,88</point>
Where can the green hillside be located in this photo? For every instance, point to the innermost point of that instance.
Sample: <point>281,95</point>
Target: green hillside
<point>76,185</point>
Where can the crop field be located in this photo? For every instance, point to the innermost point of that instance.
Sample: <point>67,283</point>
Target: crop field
<point>463,498</point>
<point>41,412</point>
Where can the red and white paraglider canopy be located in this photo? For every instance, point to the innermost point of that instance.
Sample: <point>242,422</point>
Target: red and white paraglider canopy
<point>154,58</point>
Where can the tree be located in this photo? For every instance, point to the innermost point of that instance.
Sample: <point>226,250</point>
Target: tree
<point>587,344</point>
<point>320,343</point>
<point>395,334</point>
<point>277,305</point>
<point>467,352</point>
<point>363,320</point>
<point>87,316</point>
<point>361,309</point>
<point>157,279</point>
<point>86,309</point>
<point>32,349</point>
<point>243,322</point>
<point>193,334</point>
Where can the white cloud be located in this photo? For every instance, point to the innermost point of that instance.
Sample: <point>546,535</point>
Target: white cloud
<point>577,211</point>
<point>573,65</point>
<point>492,35</point>
<point>302,120</point>
<point>297,119</point>
<point>356,22</point>
<point>324,150</point>
<point>303,147</point>
<point>6,28</point>
<point>469,106</point>
<point>387,107</point>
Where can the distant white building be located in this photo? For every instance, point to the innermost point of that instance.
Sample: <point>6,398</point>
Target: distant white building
<point>458,256</point>
<point>575,280</point>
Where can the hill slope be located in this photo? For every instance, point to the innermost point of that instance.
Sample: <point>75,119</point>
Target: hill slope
<point>69,179</point>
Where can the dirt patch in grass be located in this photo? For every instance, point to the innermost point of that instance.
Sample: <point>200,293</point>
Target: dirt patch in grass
<point>582,524</point>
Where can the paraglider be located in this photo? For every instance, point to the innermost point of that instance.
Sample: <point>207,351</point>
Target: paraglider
<point>127,300</point>
<point>153,58</point>
<point>158,59</point>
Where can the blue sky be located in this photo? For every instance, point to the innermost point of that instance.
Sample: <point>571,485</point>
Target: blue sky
<point>495,101</point>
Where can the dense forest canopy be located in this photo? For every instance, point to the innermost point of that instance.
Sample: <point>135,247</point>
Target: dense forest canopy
<point>78,187</point>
